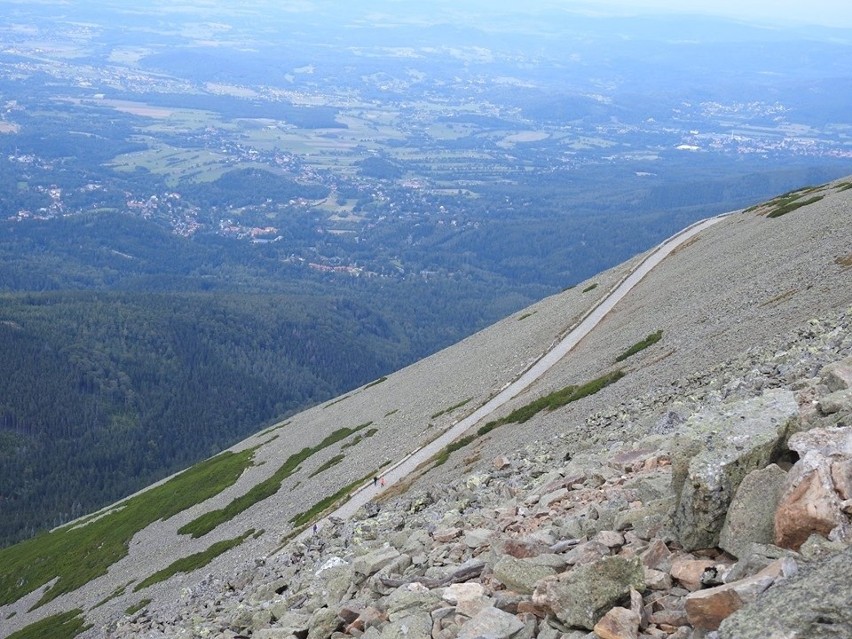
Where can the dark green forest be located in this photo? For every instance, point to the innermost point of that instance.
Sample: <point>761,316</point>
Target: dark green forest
<point>103,393</point>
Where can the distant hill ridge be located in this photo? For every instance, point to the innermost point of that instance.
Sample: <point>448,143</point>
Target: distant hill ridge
<point>726,317</point>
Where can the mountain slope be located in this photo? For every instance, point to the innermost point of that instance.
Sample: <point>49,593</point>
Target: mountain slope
<point>739,286</point>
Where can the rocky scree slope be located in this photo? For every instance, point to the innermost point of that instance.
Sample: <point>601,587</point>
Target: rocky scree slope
<point>734,521</point>
<point>632,487</point>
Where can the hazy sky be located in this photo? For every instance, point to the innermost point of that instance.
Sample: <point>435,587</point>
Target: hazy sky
<point>824,12</point>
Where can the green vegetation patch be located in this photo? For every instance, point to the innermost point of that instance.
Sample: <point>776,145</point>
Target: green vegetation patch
<point>526,315</point>
<point>786,207</point>
<point>376,382</point>
<point>132,610</point>
<point>650,340</point>
<point>115,594</point>
<point>325,504</point>
<point>334,461</point>
<point>452,447</point>
<point>193,562</point>
<point>560,398</point>
<point>520,415</point>
<point>590,287</point>
<point>202,525</point>
<point>65,625</point>
<point>360,436</point>
<point>337,401</point>
<point>451,408</point>
<point>76,554</point>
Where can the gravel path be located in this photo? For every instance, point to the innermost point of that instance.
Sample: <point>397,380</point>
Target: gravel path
<point>407,465</point>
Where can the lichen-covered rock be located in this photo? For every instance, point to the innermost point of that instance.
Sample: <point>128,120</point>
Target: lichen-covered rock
<point>372,562</point>
<point>520,575</point>
<point>837,376</point>
<point>735,441</point>
<point>816,604</point>
<point>580,597</point>
<point>414,626</point>
<point>493,624</point>
<point>751,515</point>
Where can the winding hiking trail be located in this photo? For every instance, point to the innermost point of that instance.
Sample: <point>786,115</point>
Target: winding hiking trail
<point>590,320</point>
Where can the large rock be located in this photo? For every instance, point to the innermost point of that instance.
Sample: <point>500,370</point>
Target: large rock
<point>816,604</point>
<point>726,446</point>
<point>412,597</point>
<point>520,575</point>
<point>415,626</point>
<point>491,623</point>
<point>374,561</point>
<point>837,376</point>
<point>836,402</point>
<point>751,515</point>
<point>580,597</point>
<point>816,490</point>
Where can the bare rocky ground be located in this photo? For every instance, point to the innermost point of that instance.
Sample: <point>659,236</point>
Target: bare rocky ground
<point>706,493</point>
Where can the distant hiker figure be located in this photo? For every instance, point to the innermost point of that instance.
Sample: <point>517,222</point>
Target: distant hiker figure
<point>375,481</point>
<point>382,482</point>
<point>316,528</point>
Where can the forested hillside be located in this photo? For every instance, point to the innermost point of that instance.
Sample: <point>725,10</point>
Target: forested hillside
<point>103,393</point>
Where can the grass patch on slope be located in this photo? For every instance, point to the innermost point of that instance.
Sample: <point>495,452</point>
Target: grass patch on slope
<point>650,340</point>
<point>202,525</point>
<point>326,503</point>
<point>132,610</point>
<point>451,408</point>
<point>376,382</point>
<point>360,436</point>
<point>75,554</point>
<point>787,207</point>
<point>193,562</point>
<point>334,461</point>
<point>65,625</point>
<point>552,401</point>
<point>557,399</point>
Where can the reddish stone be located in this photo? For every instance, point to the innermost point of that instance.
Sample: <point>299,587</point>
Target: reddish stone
<point>618,623</point>
<point>688,571</point>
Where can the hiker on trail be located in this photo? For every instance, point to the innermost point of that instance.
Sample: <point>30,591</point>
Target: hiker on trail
<point>375,480</point>
<point>382,481</point>
<point>316,528</point>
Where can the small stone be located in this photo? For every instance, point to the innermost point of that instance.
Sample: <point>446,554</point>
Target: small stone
<point>618,623</point>
<point>609,538</point>
<point>689,571</point>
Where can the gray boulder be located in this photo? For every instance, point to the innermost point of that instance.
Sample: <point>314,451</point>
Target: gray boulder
<point>520,575</point>
<point>725,446</point>
<point>816,604</point>
<point>491,623</point>
<point>414,626</point>
<point>751,515</point>
<point>580,597</point>
<point>837,376</point>
<point>372,562</point>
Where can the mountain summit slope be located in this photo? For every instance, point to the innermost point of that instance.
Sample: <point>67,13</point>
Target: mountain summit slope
<point>727,315</point>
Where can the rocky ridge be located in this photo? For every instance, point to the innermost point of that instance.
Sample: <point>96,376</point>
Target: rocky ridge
<point>726,513</point>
